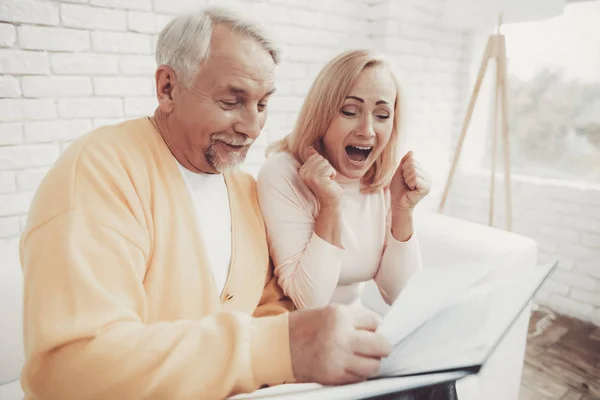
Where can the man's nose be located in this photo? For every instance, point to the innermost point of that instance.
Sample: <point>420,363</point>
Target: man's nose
<point>249,123</point>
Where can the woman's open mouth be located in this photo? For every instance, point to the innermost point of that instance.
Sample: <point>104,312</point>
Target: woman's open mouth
<point>357,155</point>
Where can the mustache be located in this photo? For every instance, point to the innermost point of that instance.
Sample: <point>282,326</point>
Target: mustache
<point>238,139</point>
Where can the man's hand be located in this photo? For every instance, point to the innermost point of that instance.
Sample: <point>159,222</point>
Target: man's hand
<point>336,344</point>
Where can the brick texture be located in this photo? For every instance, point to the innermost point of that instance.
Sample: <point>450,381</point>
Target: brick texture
<point>563,218</point>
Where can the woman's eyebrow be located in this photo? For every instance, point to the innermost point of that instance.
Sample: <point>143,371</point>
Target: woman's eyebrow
<point>362,100</point>
<point>355,98</point>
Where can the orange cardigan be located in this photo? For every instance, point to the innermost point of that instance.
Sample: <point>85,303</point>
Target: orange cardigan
<point>120,302</point>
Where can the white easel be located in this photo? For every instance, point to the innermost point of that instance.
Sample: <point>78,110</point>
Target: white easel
<point>495,49</point>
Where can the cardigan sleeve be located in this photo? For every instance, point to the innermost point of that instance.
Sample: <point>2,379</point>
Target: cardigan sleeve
<point>273,300</point>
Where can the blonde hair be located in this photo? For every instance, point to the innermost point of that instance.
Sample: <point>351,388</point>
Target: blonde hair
<point>322,104</point>
<point>184,43</point>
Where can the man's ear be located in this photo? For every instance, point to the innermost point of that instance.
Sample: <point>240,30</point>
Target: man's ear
<point>166,85</point>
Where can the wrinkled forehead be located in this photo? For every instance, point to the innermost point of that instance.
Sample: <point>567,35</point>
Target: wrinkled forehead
<point>235,59</point>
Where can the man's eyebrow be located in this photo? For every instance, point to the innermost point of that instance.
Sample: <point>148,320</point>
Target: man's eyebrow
<point>381,102</point>
<point>236,90</point>
<point>241,91</point>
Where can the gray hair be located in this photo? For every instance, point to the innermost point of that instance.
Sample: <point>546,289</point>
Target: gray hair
<point>184,43</point>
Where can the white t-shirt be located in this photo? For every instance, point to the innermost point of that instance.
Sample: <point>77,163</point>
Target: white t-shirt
<point>211,201</point>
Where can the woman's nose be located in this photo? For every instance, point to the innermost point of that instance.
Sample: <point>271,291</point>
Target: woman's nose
<point>365,129</point>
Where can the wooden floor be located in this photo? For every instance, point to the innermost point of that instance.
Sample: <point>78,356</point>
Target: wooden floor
<point>563,363</point>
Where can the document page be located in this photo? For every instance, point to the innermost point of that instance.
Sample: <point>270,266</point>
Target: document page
<point>451,337</point>
<point>463,328</point>
<point>426,294</point>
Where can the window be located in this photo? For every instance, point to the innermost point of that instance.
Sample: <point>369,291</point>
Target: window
<point>554,95</point>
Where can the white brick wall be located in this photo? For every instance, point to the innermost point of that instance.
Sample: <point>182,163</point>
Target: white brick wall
<point>23,62</point>
<point>144,5</point>
<point>24,109</point>
<point>143,22</point>
<point>563,217</point>
<point>30,179</point>
<point>9,87</point>
<point>140,106</point>
<point>55,131</point>
<point>14,203</point>
<point>123,86</point>
<point>137,65</point>
<point>83,64</point>
<point>69,66</point>
<point>27,156</point>
<point>39,12</point>
<point>38,109</point>
<point>85,17</point>
<point>121,42</point>
<point>11,133</point>
<point>7,182</point>
<point>8,35</point>
<point>52,39</point>
<point>9,227</point>
<point>56,86</point>
<point>91,107</point>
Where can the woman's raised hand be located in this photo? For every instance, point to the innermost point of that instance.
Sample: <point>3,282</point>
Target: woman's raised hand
<point>409,185</point>
<point>319,176</point>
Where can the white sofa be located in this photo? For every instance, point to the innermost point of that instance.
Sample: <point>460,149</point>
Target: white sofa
<point>11,328</point>
<point>444,242</point>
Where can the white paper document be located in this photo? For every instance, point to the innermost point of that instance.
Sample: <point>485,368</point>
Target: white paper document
<point>453,319</point>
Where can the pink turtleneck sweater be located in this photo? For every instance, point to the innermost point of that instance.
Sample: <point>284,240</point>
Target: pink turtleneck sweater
<point>313,272</point>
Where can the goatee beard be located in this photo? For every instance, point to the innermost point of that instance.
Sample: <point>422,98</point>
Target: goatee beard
<point>221,164</point>
<point>233,158</point>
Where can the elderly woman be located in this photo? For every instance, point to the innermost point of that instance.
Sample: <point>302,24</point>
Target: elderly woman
<point>337,203</point>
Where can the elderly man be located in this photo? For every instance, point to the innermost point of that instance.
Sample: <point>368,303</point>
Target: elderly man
<point>145,260</point>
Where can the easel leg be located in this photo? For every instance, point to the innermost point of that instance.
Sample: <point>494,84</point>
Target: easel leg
<point>494,143</point>
<point>506,144</point>
<point>467,120</point>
